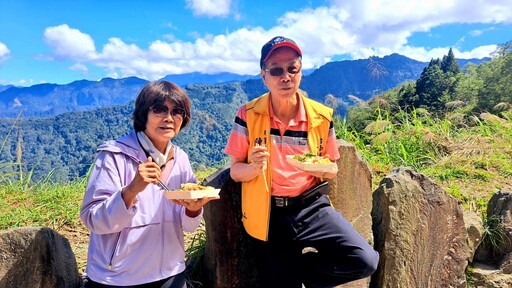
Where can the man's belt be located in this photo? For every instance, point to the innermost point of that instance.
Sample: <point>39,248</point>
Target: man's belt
<point>302,200</point>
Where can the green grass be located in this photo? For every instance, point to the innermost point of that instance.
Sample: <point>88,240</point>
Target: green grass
<point>469,162</point>
<point>194,253</point>
<point>45,205</point>
<point>495,235</point>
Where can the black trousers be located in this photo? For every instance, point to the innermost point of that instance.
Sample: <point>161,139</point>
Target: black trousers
<point>176,281</point>
<point>316,243</point>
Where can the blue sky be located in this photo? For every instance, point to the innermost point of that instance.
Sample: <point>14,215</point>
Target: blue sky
<point>60,41</point>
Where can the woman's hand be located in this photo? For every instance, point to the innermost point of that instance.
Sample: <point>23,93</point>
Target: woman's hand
<point>193,206</point>
<point>147,173</point>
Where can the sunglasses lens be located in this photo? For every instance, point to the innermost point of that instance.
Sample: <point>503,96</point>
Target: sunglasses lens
<point>293,70</point>
<point>276,71</point>
<point>178,111</point>
<point>160,109</point>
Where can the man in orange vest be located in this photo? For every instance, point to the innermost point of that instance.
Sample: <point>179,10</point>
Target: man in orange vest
<point>301,239</point>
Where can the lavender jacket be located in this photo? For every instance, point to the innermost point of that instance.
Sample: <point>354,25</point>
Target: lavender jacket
<point>143,243</point>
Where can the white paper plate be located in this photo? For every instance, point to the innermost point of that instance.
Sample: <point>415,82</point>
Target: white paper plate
<point>196,194</point>
<point>310,167</point>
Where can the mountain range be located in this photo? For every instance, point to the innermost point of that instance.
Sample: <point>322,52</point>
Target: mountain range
<point>61,126</point>
<point>361,78</point>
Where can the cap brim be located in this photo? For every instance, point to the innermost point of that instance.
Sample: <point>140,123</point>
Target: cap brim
<point>283,44</point>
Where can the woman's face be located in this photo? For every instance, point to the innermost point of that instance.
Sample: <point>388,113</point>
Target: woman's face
<point>164,123</point>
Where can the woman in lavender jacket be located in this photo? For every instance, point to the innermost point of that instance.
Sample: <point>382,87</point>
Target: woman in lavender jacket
<point>136,235</point>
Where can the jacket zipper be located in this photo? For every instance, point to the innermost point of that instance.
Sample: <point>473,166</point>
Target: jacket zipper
<point>162,241</point>
<point>114,251</point>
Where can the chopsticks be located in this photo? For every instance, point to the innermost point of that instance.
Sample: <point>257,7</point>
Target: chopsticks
<point>264,178</point>
<point>162,185</point>
<point>258,143</point>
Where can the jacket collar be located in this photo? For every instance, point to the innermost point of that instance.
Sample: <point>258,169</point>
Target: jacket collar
<point>127,145</point>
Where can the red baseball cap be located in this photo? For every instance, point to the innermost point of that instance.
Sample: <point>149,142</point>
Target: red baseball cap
<point>273,44</point>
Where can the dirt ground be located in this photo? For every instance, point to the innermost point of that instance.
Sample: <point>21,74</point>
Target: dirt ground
<point>78,237</point>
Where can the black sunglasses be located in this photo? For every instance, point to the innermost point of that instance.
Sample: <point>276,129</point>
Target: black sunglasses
<point>279,71</point>
<point>162,111</point>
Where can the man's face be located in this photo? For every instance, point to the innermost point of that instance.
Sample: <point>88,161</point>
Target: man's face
<point>282,72</point>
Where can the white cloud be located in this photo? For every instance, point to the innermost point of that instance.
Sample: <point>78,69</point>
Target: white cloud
<point>117,50</point>
<point>79,67</point>
<point>4,53</point>
<point>355,29</point>
<point>362,28</point>
<point>478,52</point>
<point>425,55</point>
<point>69,43</point>
<point>417,53</point>
<point>476,33</point>
<point>23,82</point>
<point>209,8</point>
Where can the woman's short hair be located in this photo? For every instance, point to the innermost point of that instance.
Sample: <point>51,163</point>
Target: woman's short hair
<point>156,93</point>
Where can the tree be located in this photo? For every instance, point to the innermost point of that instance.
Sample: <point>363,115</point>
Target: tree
<point>468,86</point>
<point>449,63</point>
<point>407,97</point>
<point>496,78</point>
<point>431,87</point>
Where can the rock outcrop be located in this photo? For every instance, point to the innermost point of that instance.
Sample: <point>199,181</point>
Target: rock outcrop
<point>228,259</point>
<point>475,229</point>
<point>419,231</point>
<point>493,258</point>
<point>36,257</point>
<point>351,194</point>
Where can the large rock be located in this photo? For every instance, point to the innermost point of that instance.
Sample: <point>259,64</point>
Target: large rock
<point>419,232</point>
<point>496,248</point>
<point>36,258</point>
<point>351,189</point>
<point>351,194</point>
<point>475,230</point>
<point>228,258</point>
<point>484,276</point>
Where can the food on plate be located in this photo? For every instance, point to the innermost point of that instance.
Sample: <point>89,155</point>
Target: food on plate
<point>310,158</point>
<point>310,162</point>
<point>194,187</point>
<point>192,191</point>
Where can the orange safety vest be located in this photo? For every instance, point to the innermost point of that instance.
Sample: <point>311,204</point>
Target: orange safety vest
<point>255,198</point>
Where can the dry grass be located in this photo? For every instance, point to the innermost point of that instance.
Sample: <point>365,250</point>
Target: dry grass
<point>471,163</point>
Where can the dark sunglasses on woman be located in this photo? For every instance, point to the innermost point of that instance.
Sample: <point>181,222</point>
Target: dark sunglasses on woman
<point>162,111</point>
